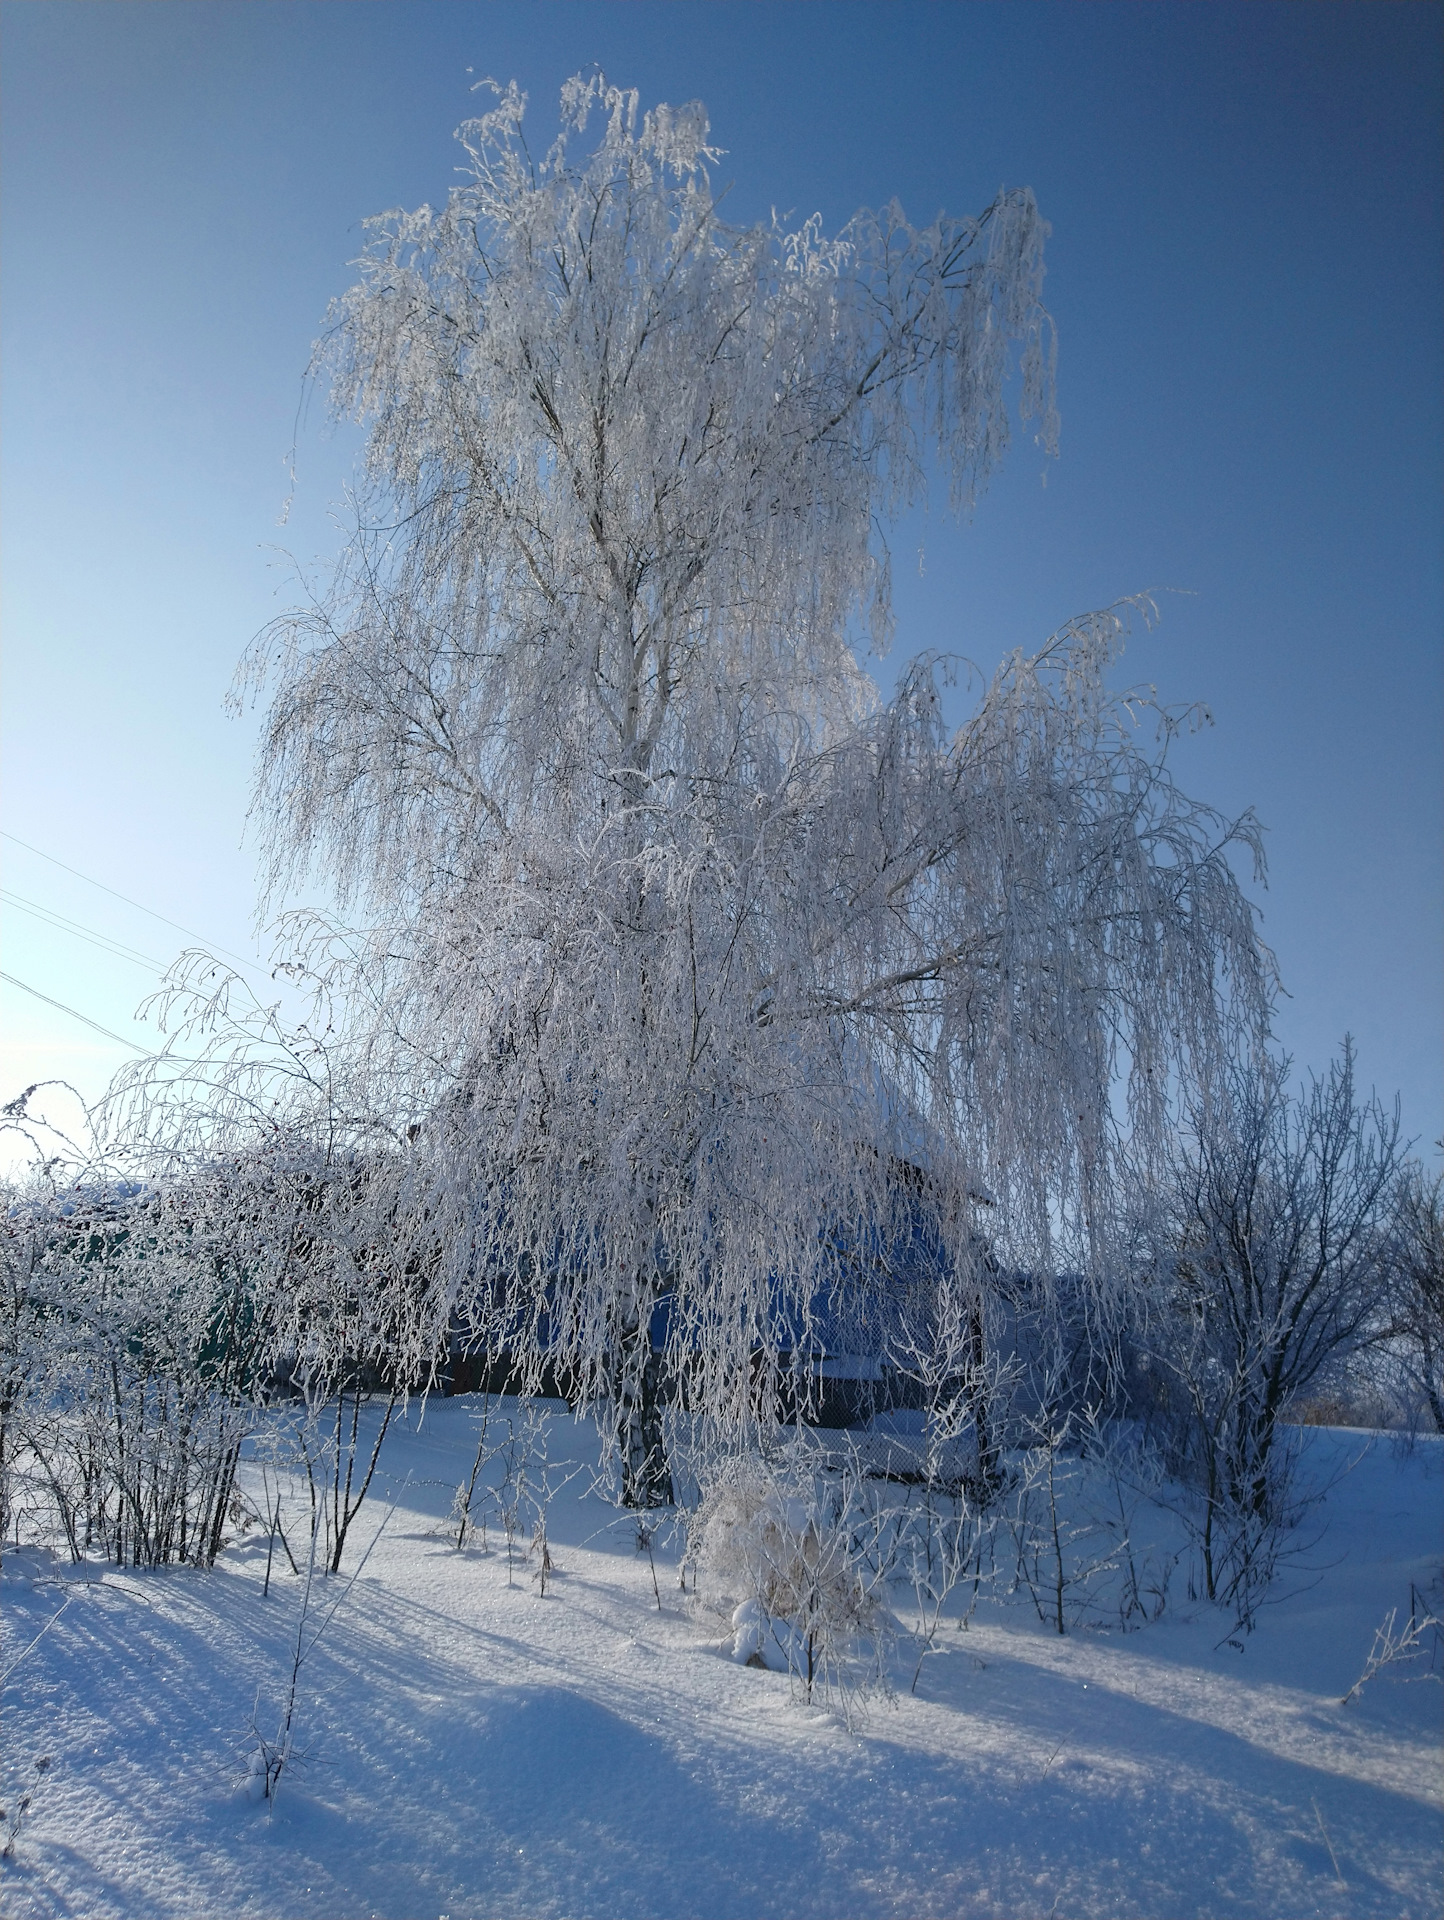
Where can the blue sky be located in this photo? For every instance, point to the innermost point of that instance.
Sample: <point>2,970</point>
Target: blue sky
<point>1246,274</point>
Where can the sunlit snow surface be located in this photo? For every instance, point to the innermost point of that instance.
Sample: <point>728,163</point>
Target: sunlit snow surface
<point>473,1748</point>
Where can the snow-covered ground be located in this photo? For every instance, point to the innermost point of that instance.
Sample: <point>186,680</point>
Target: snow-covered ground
<point>468,1746</point>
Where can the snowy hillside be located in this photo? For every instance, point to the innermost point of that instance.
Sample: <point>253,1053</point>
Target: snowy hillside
<point>467,1745</point>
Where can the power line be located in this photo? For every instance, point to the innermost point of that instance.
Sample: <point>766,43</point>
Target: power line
<point>74,1013</point>
<point>148,1053</point>
<point>190,932</point>
<point>116,948</point>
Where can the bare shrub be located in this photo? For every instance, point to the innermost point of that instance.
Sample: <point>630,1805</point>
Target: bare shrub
<point>1416,1320</point>
<point>1401,1643</point>
<point>1269,1259</point>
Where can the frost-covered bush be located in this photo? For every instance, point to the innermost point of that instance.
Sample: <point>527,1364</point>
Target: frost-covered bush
<point>23,1352</point>
<point>783,1554</point>
<point>142,1325</point>
<point>145,1322</point>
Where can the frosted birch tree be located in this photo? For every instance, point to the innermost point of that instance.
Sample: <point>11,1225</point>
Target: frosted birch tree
<point>677,943</point>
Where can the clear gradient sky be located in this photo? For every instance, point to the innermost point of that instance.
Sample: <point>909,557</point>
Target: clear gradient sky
<point>1246,274</point>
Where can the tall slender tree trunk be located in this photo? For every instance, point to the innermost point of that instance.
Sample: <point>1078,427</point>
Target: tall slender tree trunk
<point>1430,1376</point>
<point>637,1403</point>
<point>982,1399</point>
<point>636,1372</point>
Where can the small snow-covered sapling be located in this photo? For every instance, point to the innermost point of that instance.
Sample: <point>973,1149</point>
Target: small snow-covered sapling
<point>1391,1645</point>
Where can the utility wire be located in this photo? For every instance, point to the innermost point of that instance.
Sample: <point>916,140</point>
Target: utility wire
<point>190,932</point>
<point>116,948</point>
<point>75,1014</point>
<point>149,1053</point>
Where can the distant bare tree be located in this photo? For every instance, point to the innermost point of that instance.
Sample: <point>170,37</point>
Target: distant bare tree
<point>1272,1251</point>
<point>1417,1318</point>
